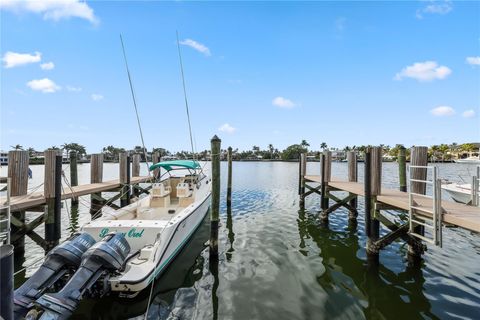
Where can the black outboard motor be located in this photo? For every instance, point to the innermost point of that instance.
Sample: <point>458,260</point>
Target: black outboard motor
<point>103,259</point>
<point>60,260</point>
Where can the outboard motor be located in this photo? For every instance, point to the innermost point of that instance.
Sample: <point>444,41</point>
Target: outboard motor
<point>101,260</point>
<point>64,258</point>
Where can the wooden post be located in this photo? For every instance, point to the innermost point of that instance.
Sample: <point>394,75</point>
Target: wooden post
<point>53,197</point>
<point>124,178</point>
<point>73,174</point>
<point>96,176</point>
<point>303,171</point>
<point>326,162</point>
<point>352,177</point>
<point>376,161</point>
<point>215,208</point>
<point>18,174</point>
<point>418,157</point>
<point>156,159</point>
<point>323,188</point>
<point>229,181</point>
<point>371,225</point>
<point>135,170</point>
<point>402,168</point>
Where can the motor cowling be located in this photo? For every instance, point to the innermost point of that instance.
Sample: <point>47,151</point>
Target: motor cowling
<point>64,258</point>
<point>101,260</point>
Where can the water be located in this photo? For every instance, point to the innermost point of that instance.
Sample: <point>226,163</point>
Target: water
<point>279,262</point>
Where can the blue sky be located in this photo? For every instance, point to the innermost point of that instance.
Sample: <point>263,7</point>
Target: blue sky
<point>344,73</point>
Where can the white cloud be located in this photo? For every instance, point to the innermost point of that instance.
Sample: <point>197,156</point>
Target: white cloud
<point>96,97</point>
<point>435,7</point>
<point>442,111</point>
<point>424,71</point>
<point>468,113</point>
<point>13,59</point>
<point>44,85</point>
<point>474,61</point>
<point>73,89</point>
<point>52,9</point>
<point>282,102</point>
<point>197,46</point>
<point>227,128</point>
<point>47,66</point>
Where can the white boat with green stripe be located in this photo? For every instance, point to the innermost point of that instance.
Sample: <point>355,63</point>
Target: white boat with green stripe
<point>158,225</point>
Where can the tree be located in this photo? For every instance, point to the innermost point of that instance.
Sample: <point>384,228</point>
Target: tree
<point>305,144</point>
<point>323,146</point>
<point>293,152</point>
<point>17,147</point>
<point>78,148</point>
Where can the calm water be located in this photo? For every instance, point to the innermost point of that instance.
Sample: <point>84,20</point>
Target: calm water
<point>278,262</point>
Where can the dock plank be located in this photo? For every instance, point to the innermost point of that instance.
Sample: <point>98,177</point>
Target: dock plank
<point>456,214</point>
<point>37,198</point>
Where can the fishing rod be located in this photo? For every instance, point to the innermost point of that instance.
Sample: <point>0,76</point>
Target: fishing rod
<point>135,103</point>
<point>185,96</point>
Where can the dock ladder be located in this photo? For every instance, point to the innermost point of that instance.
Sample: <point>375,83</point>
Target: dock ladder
<point>422,211</point>
<point>476,188</point>
<point>5,218</point>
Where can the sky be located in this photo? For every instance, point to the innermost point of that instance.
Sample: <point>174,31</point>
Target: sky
<point>256,73</point>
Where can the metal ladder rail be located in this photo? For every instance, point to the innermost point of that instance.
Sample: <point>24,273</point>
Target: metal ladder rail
<point>476,188</point>
<point>5,234</point>
<point>436,210</point>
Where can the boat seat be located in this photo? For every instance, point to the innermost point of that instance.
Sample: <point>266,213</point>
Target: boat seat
<point>160,195</point>
<point>183,190</point>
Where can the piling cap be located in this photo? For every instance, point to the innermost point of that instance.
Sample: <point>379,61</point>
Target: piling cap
<point>215,138</point>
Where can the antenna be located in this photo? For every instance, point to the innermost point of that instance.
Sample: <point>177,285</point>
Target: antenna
<point>134,103</point>
<point>185,95</point>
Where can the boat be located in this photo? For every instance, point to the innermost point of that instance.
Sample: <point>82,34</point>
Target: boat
<point>459,192</point>
<point>471,159</point>
<point>124,250</point>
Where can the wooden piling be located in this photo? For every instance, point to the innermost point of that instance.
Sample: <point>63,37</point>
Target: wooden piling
<point>135,170</point>
<point>402,168</point>
<point>96,176</point>
<point>156,159</point>
<point>18,174</point>
<point>215,206</point>
<point>124,175</point>
<point>352,177</point>
<point>374,179</point>
<point>229,180</point>
<point>53,193</point>
<point>73,174</point>
<point>303,172</point>
<point>326,163</point>
<point>418,157</point>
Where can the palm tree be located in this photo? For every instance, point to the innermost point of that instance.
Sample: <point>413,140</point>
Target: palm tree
<point>304,144</point>
<point>17,147</point>
<point>323,146</point>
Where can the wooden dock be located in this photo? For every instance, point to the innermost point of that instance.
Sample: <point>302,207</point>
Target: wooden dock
<point>454,214</point>
<point>36,199</point>
<point>427,214</point>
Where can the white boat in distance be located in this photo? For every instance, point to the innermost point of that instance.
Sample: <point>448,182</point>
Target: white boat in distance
<point>459,192</point>
<point>472,159</point>
<point>124,250</point>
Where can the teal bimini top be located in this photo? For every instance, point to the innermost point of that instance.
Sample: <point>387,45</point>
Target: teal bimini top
<point>176,164</point>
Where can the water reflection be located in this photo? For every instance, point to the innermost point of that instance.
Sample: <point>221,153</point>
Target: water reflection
<point>353,284</point>
<point>73,225</point>
<point>231,234</point>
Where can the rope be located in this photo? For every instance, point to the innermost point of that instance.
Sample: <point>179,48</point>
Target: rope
<point>134,103</point>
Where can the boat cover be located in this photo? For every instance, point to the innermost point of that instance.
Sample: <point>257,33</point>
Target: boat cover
<point>176,164</point>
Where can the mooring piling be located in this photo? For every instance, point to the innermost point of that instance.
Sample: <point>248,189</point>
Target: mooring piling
<point>302,173</point>
<point>135,170</point>
<point>215,207</point>
<point>124,174</point>
<point>375,164</point>
<point>73,174</point>
<point>418,158</point>
<point>229,180</point>
<point>18,174</point>
<point>326,171</point>
<point>156,159</point>
<point>352,177</point>
<point>402,168</point>
<point>53,198</point>
<point>96,176</point>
